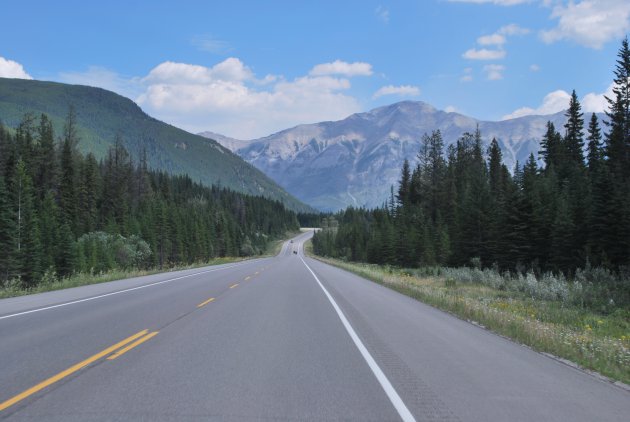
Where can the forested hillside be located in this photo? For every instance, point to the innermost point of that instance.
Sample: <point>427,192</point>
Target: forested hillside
<point>102,115</point>
<point>462,206</point>
<point>63,212</point>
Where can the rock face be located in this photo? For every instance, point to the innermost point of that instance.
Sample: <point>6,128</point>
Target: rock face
<point>355,161</point>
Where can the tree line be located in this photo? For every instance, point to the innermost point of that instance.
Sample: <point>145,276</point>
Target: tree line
<point>461,206</point>
<point>64,212</point>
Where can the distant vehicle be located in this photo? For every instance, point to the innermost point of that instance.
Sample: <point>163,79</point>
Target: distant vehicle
<point>291,240</point>
<point>295,252</point>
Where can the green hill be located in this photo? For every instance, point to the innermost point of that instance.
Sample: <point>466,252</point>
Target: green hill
<point>102,115</point>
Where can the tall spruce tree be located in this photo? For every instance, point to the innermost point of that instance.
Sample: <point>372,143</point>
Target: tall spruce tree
<point>594,146</point>
<point>574,135</point>
<point>551,147</point>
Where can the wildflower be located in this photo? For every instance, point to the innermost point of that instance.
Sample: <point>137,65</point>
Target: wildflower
<point>600,322</point>
<point>588,327</point>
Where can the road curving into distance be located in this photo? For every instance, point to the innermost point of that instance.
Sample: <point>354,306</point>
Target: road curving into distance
<point>283,338</point>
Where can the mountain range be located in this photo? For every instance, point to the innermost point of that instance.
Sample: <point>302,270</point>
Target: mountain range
<point>355,161</point>
<point>102,115</point>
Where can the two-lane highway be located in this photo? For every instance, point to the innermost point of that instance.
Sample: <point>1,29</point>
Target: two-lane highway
<point>283,338</point>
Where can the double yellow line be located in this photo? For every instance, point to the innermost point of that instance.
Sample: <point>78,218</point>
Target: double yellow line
<point>119,349</point>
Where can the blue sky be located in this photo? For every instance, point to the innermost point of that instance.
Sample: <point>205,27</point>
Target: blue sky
<point>249,68</point>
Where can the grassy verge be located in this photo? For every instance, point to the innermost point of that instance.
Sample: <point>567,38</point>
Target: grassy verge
<point>50,282</point>
<point>594,341</point>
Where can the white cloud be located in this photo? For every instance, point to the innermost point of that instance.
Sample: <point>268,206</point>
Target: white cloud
<point>500,37</point>
<point>227,98</point>
<point>450,109</point>
<point>339,67</point>
<point>231,69</point>
<point>534,67</point>
<point>558,100</point>
<point>591,23</point>
<point>210,44</point>
<point>382,13</point>
<point>494,71</point>
<point>12,69</point>
<point>513,29</point>
<point>596,103</point>
<point>402,90</point>
<point>483,54</point>
<point>492,39</point>
<point>552,103</point>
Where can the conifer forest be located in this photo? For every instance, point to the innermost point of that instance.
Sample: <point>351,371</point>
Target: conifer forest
<point>461,206</point>
<point>62,213</point>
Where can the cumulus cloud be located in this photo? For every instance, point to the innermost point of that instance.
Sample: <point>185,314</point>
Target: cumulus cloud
<point>513,29</point>
<point>339,67</point>
<point>12,69</point>
<point>227,98</point>
<point>402,90</point>
<point>597,103</point>
<point>483,54</point>
<point>492,39</point>
<point>534,67</point>
<point>497,40</point>
<point>552,103</point>
<point>231,69</point>
<point>591,23</point>
<point>559,100</point>
<point>494,72</point>
<point>450,109</point>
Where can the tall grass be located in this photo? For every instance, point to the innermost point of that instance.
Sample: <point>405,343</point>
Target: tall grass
<point>547,313</point>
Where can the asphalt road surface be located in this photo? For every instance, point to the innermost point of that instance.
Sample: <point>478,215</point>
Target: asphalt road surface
<point>284,338</point>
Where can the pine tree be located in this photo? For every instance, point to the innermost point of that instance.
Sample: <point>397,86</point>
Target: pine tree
<point>88,194</point>
<point>551,146</point>
<point>618,136</point>
<point>562,240</point>
<point>617,150</point>
<point>7,232</point>
<point>49,231</point>
<point>46,172</point>
<point>574,135</point>
<point>26,252</point>
<point>404,186</point>
<point>67,189</point>
<point>594,146</point>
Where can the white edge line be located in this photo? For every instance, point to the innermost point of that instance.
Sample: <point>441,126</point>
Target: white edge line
<point>393,396</point>
<point>117,292</point>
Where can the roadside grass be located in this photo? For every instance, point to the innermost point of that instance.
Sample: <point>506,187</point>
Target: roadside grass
<point>597,342</point>
<point>51,282</point>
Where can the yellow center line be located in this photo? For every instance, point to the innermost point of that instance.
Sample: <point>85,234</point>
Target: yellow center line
<point>233,285</point>
<point>69,371</point>
<point>132,345</point>
<point>205,302</point>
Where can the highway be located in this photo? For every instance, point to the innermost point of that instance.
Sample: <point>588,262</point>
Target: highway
<point>286,338</point>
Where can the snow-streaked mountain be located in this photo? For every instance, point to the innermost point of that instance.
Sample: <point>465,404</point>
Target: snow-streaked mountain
<point>355,161</point>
